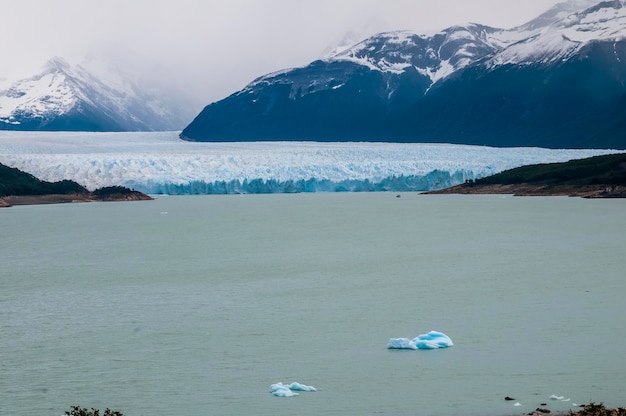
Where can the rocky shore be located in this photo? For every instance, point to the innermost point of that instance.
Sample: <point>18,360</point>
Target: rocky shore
<point>528,189</point>
<point>8,201</point>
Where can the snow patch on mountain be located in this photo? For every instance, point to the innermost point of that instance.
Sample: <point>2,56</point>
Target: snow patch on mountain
<point>567,33</point>
<point>556,13</point>
<point>435,56</point>
<point>605,21</point>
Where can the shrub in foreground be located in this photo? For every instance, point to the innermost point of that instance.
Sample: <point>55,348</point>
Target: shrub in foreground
<point>78,411</point>
<point>598,409</point>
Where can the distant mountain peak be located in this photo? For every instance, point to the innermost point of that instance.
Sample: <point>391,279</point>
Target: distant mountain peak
<point>566,32</point>
<point>66,97</point>
<point>57,63</point>
<point>556,13</point>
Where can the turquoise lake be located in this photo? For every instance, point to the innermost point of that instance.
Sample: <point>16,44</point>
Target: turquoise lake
<point>195,305</point>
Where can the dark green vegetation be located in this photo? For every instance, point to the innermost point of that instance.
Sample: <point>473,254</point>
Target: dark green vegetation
<point>110,192</point>
<point>609,170</point>
<point>15,182</point>
<point>595,177</point>
<point>21,188</point>
<point>78,411</point>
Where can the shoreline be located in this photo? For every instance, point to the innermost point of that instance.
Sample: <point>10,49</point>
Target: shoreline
<point>525,189</point>
<point>16,200</point>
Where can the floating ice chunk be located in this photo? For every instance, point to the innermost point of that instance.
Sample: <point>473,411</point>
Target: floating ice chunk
<point>432,340</point>
<point>561,398</point>
<point>280,390</point>
<point>429,341</point>
<point>288,390</point>
<point>517,404</point>
<point>401,344</point>
<point>301,387</point>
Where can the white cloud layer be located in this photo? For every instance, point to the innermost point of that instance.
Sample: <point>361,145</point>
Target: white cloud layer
<point>207,49</point>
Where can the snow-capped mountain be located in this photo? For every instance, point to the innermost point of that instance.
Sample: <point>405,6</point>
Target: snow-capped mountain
<point>563,38</point>
<point>556,13</point>
<point>556,81</point>
<point>64,97</point>
<point>434,56</point>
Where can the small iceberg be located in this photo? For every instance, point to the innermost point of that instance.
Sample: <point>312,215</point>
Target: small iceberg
<point>289,390</point>
<point>560,398</point>
<point>301,387</point>
<point>280,390</point>
<point>430,341</point>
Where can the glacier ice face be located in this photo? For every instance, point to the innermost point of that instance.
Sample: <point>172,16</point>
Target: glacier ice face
<point>161,163</point>
<point>430,341</point>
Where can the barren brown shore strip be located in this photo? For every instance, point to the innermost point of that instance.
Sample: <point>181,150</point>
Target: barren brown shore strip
<point>527,189</point>
<point>8,201</point>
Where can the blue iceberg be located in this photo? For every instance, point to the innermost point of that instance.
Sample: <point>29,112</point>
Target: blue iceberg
<point>430,341</point>
<point>289,390</point>
<point>301,387</point>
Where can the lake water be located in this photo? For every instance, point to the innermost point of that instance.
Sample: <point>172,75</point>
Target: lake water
<point>195,305</point>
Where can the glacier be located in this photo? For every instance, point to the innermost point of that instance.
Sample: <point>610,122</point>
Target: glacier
<point>161,163</point>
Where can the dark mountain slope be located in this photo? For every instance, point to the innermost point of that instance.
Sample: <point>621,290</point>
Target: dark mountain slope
<point>559,81</point>
<point>579,103</point>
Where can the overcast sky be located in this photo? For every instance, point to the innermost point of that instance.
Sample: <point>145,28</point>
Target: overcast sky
<point>211,48</point>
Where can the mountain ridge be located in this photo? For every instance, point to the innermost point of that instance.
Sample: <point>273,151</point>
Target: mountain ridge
<point>557,81</point>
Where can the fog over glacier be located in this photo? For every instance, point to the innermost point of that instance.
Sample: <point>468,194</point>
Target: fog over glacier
<point>161,163</point>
